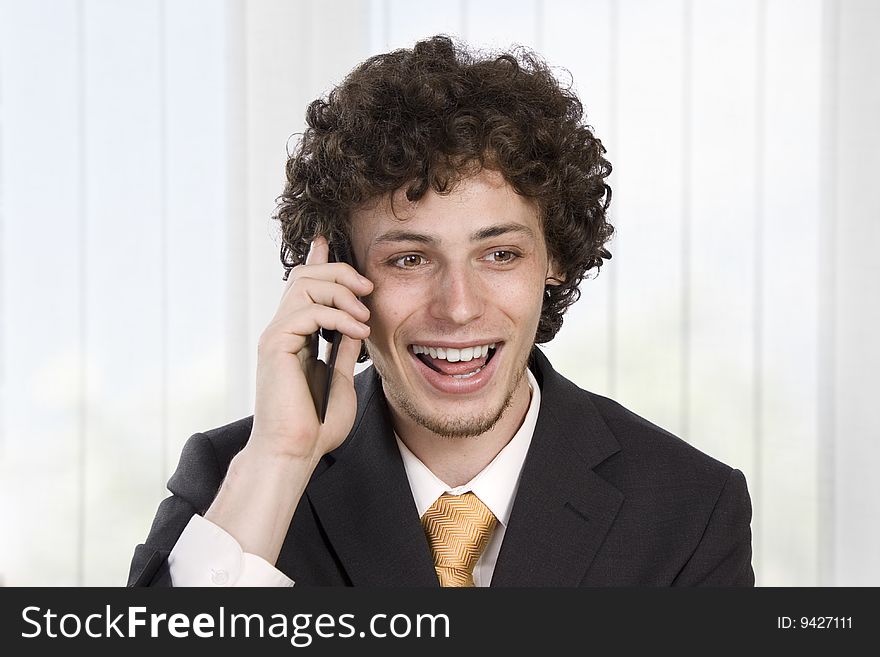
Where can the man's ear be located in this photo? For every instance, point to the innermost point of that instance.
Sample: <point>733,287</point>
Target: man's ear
<point>554,277</point>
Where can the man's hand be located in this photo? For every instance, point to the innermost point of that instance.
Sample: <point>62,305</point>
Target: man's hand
<point>290,377</point>
<point>266,479</point>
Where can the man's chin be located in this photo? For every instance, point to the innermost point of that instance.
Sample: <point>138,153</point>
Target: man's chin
<point>456,427</point>
<point>447,417</point>
<point>454,421</point>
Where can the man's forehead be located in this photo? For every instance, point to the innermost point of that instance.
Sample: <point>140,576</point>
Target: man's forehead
<point>479,207</point>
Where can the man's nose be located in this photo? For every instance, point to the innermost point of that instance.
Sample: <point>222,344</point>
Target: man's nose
<point>458,296</point>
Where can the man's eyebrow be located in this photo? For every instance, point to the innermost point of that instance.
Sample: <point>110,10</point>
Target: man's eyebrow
<point>404,236</point>
<point>488,232</point>
<point>502,229</point>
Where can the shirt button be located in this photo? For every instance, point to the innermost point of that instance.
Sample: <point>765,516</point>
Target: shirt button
<point>219,577</point>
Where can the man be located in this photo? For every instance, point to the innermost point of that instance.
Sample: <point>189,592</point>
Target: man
<point>465,199</point>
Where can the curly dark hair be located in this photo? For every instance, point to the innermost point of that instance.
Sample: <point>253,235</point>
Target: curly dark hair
<point>431,115</point>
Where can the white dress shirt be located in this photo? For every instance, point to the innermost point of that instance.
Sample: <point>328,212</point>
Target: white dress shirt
<point>206,555</point>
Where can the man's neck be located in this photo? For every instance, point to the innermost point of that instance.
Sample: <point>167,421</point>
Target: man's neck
<point>456,461</point>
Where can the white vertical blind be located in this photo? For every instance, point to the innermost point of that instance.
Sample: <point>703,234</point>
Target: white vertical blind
<point>42,261</point>
<point>125,257</point>
<point>405,22</point>
<point>198,137</point>
<point>579,37</point>
<point>142,146</point>
<point>721,190</point>
<point>786,523</point>
<point>649,220</point>
<point>855,521</point>
<point>500,24</point>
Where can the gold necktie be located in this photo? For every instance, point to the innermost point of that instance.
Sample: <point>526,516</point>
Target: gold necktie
<point>458,528</point>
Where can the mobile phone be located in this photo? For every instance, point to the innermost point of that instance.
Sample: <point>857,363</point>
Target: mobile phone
<point>337,254</point>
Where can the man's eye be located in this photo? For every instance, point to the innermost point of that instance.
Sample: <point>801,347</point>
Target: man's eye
<point>502,257</point>
<point>410,261</point>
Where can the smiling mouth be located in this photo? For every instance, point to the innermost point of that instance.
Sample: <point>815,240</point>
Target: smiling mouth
<point>456,363</point>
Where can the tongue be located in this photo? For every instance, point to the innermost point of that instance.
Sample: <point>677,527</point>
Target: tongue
<point>455,368</point>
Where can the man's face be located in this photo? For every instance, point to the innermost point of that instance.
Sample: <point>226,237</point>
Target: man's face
<point>459,281</point>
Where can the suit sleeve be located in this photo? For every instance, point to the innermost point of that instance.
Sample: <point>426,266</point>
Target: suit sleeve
<point>193,487</point>
<point>723,556</point>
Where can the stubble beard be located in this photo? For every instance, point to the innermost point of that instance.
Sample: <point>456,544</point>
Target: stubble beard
<point>455,427</point>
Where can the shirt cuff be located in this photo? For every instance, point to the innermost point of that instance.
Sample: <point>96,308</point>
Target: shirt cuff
<point>206,555</point>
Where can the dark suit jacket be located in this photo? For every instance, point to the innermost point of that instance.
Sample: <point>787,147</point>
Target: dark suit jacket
<point>605,498</point>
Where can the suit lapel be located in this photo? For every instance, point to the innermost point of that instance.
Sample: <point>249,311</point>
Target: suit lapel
<point>365,505</point>
<point>563,509</point>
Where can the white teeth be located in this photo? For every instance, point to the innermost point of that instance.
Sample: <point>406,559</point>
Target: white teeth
<point>454,355</point>
<point>468,375</point>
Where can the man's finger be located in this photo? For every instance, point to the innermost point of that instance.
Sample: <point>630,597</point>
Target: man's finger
<point>319,251</point>
<point>309,319</point>
<point>343,372</point>
<point>346,359</point>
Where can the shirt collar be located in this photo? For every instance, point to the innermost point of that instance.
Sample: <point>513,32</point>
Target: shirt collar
<point>496,484</point>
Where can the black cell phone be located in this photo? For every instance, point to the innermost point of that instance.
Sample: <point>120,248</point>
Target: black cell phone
<point>337,254</point>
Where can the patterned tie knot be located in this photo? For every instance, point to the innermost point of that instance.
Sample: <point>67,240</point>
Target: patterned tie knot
<point>458,528</point>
